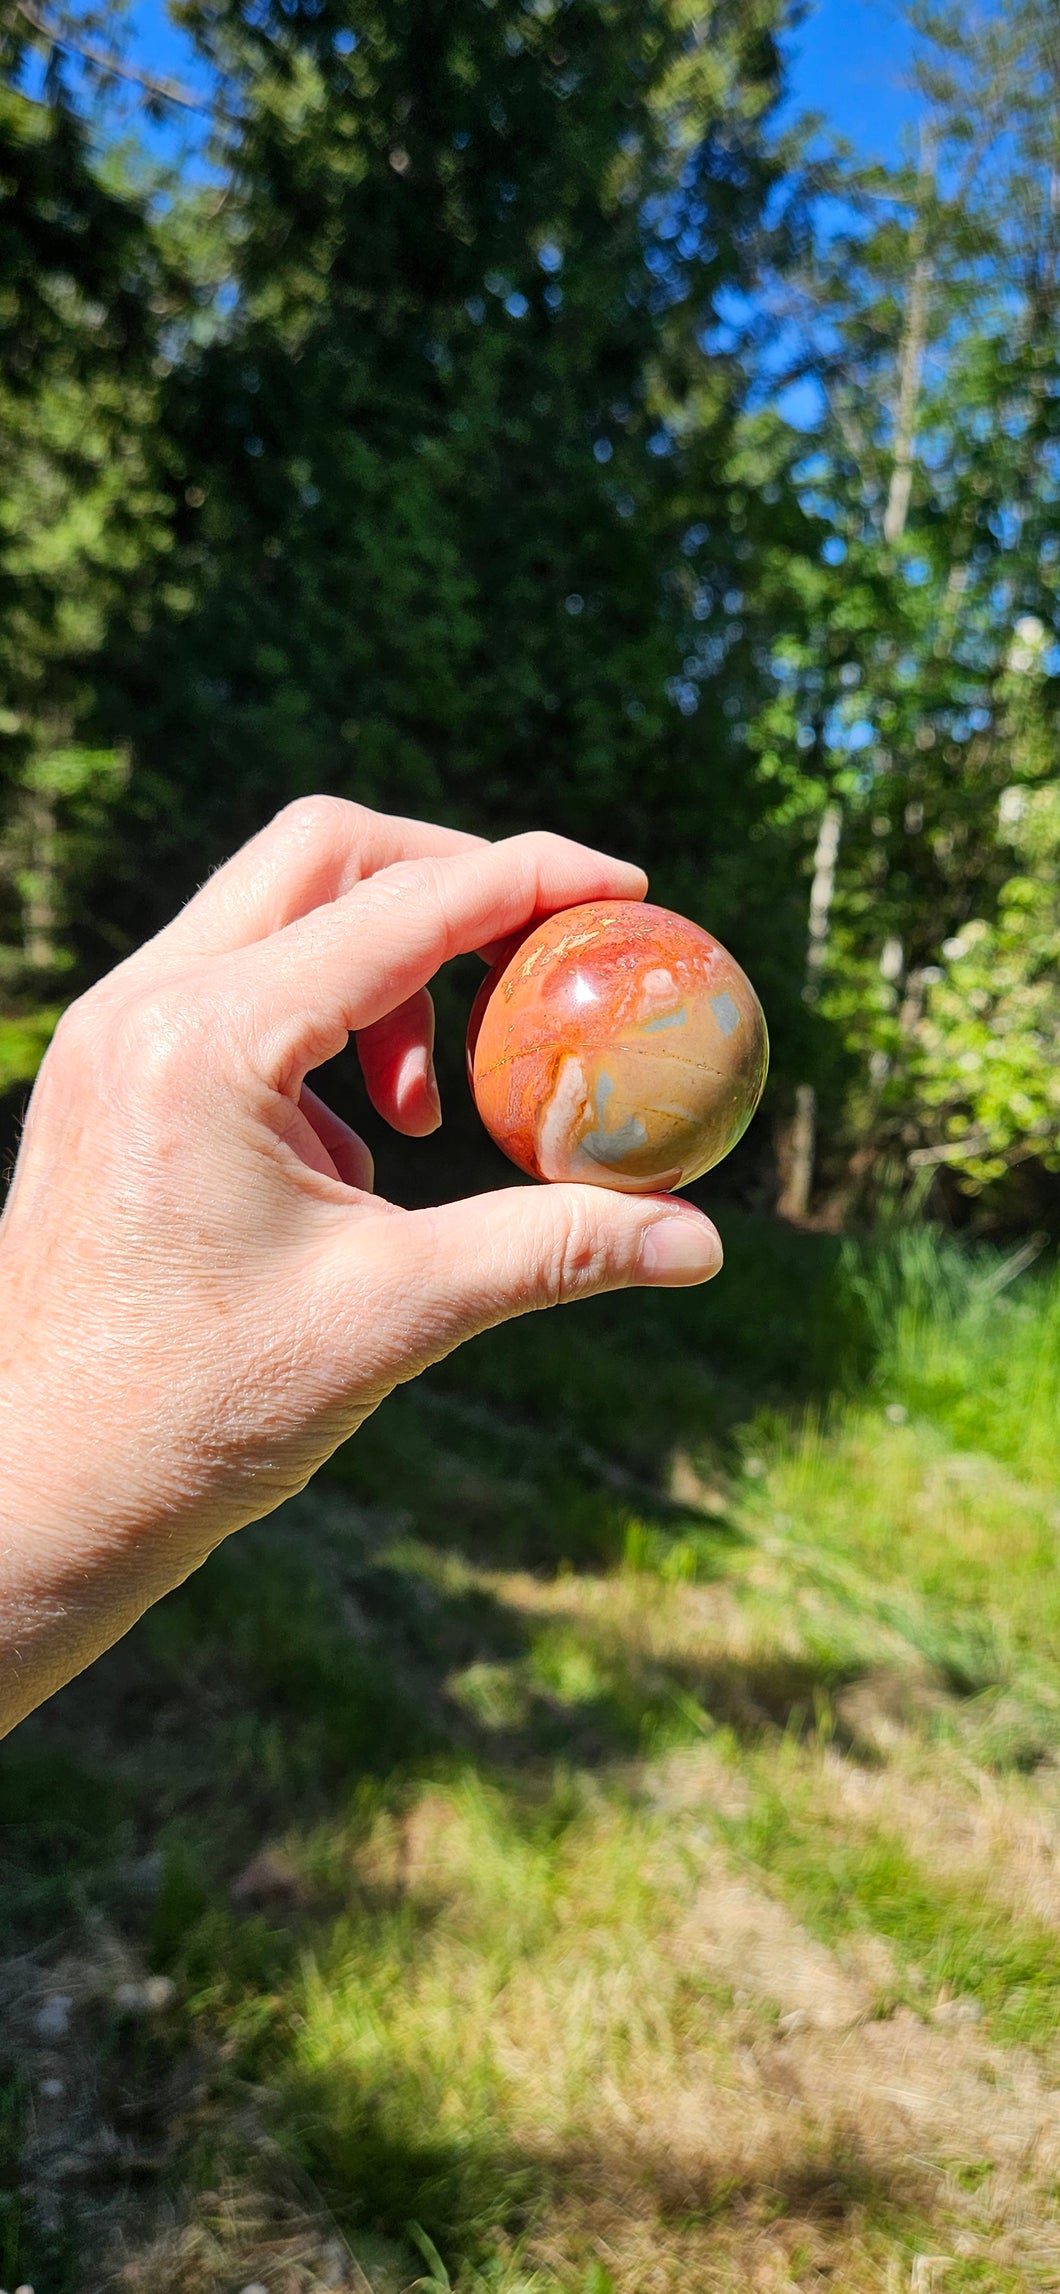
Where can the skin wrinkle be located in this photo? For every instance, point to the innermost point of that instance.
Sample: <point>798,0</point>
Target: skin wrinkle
<point>288,1125</point>
<point>345,1149</point>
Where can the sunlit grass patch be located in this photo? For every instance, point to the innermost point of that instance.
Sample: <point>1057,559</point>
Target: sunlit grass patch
<point>969,1341</point>
<point>880,1532</point>
<point>953,1939</point>
<point>503,1975</point>
<point>886,1507</point>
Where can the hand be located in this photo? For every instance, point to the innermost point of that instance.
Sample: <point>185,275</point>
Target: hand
<point>200,1296</point>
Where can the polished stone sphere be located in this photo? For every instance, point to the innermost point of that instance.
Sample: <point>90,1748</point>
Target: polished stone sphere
<point>617,1043</point>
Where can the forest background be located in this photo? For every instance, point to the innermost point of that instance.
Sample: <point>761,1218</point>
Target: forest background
<point>519,414</point>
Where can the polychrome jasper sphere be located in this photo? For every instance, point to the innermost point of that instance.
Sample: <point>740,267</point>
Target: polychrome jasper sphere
<point>618,1044</point>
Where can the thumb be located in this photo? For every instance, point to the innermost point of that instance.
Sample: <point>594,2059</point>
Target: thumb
<point>463,1267</point>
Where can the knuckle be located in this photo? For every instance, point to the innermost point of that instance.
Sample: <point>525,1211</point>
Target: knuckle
<point>409,880</point>
<point>317,819</point>
<point>135,1060</point>
<point>78,1033</point>
<point>156,1049</point>
<point>410,890</point>
<point>527,858</point>
<point>541,861</point>
<point>539,846</point>
<point>578,1259</point>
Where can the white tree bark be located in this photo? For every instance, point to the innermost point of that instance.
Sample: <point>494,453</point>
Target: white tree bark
<point>799,1146</point>
<point>911,357</point>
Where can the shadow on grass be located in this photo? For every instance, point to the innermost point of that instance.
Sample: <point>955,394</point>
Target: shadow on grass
<point>290,1685</point>
<point>374,2176</point>
<point>297,1666</point>
<point>323,1667</point>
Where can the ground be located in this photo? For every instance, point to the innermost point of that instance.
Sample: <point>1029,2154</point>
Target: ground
<point>603,1837</point>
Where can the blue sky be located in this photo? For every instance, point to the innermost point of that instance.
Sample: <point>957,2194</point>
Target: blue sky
<point>848,61</point>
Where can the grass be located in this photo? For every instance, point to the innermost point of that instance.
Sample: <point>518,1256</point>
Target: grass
<point>602,1839</point>
<point>948,1938</point>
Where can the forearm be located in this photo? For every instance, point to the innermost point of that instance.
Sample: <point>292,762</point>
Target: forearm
<point>92,1524</point>
<point>62,1602</point>
<point>74,1574</point>
<point>123,1467</point>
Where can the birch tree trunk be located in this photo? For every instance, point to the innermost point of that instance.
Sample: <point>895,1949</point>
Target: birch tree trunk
<point>797,1146</point>
<point>911,355</point>
<point>797,1187</point>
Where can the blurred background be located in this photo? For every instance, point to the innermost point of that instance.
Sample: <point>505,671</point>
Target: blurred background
<point>602,1838</point>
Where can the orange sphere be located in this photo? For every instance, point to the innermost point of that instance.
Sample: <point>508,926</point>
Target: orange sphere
<point>617,1044</point>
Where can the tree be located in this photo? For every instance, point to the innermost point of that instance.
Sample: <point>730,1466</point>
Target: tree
<point>461,515</point>
<point>986,1047</point>
<point>80,513</point>
<point>930,319</point>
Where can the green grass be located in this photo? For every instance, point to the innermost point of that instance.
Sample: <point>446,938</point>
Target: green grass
<point>565,1826</point>
<point>970,1342</point>
<point>843,1880</point>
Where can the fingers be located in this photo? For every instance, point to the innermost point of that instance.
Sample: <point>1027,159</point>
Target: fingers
<point>349,1156</point>
<point>312,852</point>
<point>437,1277</point>
<point>398,1068</point>
<point>345,966</point>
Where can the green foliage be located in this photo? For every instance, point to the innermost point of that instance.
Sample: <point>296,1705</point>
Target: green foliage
<point>916,681</point>
<point>461,519</point>
<point>81,516</point>
<point>440,502</point>
<point>987,1047</point>
<point>23,1043</point>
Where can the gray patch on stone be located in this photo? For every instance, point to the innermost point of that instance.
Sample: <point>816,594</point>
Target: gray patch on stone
<point>668,1020</point>
<point>614,1146</point>
<point>603,1146</point>
<point>725,1012</point>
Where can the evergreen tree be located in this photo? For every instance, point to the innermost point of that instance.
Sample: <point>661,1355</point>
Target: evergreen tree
<point>462,521</point>
<point>80,514</point>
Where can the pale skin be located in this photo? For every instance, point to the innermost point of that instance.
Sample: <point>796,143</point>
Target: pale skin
<point>200,1294</point>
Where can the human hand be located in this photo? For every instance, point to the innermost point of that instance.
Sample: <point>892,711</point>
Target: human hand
<point>200,1296</point>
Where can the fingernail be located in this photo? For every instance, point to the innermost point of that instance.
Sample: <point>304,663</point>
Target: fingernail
<point>430,1085</point>
<point>680,1248</point>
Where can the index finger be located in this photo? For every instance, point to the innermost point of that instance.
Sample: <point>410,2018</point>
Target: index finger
<point>314,851</point>
<point>302,992</point>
